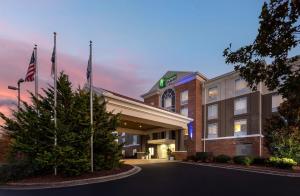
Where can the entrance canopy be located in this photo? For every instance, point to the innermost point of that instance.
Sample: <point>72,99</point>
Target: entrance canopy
<point>140,118</point>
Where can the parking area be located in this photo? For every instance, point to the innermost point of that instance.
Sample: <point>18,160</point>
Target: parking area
<point>177,179</point>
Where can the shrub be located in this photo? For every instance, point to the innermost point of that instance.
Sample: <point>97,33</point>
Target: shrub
<point>16,171</point>
<point>204,156</point>
<point>191,158</point>
<point>283,163</point>
<point>222,158</point>
<point>259,161</point>
<point>242,160</point>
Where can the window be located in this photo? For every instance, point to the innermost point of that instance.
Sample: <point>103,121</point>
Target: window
<point>240,86</point>
<point>212,111</point>
<point>240,106</point>
<point>184,97</point>
<point>173,135</point>
<point>212,130</point>
<point>151,151</point>
<point>155,136</point>
<point>134,139</point>
<point>168,100</point>
<point>163,135</point>
<point>213,94</point>
<point>184,111</point>
<point>134,152</point>
<point>276,101</point>
<point>240,127</point>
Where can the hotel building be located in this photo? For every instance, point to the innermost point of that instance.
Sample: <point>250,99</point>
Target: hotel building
<point>219,115</point>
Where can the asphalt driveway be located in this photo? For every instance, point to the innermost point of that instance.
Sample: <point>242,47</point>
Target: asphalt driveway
<point>179,179</point>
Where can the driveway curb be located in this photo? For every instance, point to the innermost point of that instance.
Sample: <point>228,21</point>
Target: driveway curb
<point>252,170</point>
<point>71,183</point>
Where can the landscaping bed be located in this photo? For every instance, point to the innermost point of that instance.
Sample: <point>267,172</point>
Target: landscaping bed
<point>59,178</point>
<point>295,169</point>
<point>275,164</point>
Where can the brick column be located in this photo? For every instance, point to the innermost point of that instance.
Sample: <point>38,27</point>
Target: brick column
<point>181,140</point>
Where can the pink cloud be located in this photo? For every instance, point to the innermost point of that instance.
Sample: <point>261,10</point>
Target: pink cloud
<point>119,75</point>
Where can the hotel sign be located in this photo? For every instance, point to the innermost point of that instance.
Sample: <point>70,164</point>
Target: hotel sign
<point>166,81</point>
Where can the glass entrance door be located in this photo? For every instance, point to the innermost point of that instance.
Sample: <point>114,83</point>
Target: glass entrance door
<point>162,151</point>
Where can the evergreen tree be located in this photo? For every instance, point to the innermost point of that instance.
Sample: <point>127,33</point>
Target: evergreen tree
<point>32,132</point>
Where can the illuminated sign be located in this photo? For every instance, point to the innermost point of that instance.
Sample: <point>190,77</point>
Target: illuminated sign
<point>163,82</point>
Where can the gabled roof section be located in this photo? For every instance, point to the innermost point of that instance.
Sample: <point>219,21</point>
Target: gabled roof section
<point>180,75</point>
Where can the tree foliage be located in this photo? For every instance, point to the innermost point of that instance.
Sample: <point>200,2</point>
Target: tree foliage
<point>267,60</point>
<point>32,131</point>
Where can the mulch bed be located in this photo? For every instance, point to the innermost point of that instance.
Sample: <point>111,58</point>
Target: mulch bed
<point>51,178</point>
<point>254,167</point>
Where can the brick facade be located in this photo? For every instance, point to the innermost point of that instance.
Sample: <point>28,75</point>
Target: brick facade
<point>179,155</point>
<point>152,100</point>
<point>194,88</point>
<point>228,146</point>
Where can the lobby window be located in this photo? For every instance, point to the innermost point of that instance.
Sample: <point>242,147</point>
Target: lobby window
<point>151,151</point>
<point>213,94</point>
<point>240,86</point>
<point>212,111</point>
<point>240,106</point>
<point>168,100</point>
<point>276,101</point>
<point>184,111</point>
<point>184,97</point>
<point>240,127</point>
<point>212,130</point>
<point>134,151</point>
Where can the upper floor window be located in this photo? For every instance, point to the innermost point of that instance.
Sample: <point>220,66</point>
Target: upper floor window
<point>168,100</point>
<point>184,97</point>
<point>240,127</point>
<point>134,139</point>
<point>212,111</point>
<point>276,101</point>
<point>213,94</point>
<point>240,86</point>
<point>184,111</point>
<point>212,130</point>
<point>240,106</point>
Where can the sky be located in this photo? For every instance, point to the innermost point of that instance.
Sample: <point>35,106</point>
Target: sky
<point>134,41</point>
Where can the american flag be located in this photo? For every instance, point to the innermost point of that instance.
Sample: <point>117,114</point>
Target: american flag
<point>31,69</point>
<point>88,70</point>
<point>53,61</point>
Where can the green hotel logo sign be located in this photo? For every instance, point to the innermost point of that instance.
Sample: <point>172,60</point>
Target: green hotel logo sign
<point>162,83</point>
<point>166,81</point>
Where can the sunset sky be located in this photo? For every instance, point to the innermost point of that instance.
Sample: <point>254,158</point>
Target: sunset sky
<point>135,41</point>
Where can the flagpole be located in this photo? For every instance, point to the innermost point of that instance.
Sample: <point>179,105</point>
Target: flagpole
<point>55,98</point>
<point>91,109</point>
<point>36,73</point>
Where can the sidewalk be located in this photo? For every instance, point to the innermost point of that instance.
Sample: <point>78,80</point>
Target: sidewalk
<point>146,161</point>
